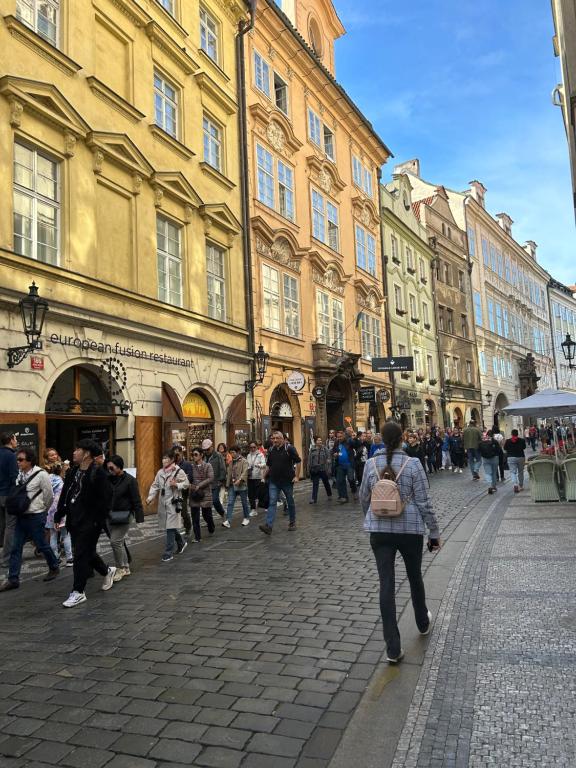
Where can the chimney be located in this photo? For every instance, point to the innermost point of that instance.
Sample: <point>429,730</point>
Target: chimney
<point>531,247</point>
<point>478,192</point>
<point>505,222</point>
<point>410,166</point>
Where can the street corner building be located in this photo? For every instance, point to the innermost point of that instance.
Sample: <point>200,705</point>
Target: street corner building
<point>315,222</point>
<point>121,190</point>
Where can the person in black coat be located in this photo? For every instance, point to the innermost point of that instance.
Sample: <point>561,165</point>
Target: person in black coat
<point>83,508</point>
<point>125,499</point>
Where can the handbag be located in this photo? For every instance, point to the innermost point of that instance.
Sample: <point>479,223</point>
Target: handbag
<point>119,516</point>
<point>197,496</point>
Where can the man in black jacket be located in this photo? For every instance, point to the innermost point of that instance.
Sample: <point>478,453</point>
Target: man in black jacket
<point>83,507</point>
<point>8,475</point>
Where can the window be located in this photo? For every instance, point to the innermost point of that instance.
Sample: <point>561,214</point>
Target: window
<point>413,306</point>
<point>261,74</point>
<point>165,105</point>
<point>422,267</point>
<point>371,341</point>
<point>401,350</point>
<point>446,367</point>
<point>477,308</point>
<point>456,365</point>
<point>361,176</point>
<point>216,273</point>
<point>291,307</point>
<point>485,252</point>
<point>499,264</point>
<point>417,362</point>
<point>314,127</point>
<point>42,16</point>
<point>281,302</point>
<point>450,321</point>
<point>36,205</point>
<point>464,325</point>
<point>495,366</point>
<point>469,377</point>
<point>509,368</point>
<point>280,94</point>
<point>425,313</point>
<point>265,163</point>
<point>168,5</point>
<point>409,258</point>
<point>329,143</point>
<point>330,317</point>
<point>482,360</point>
<point>209,34</point>
<point>286,190</point>
<point>507,269</point>
<point>169,261</point>
<point>506,323</point>
<point>502,367</point>
<point>325,221</point>
<point>398,299</point>
<point>461,286</point>
<point>212,144</point>
<point>471,242</point>
<point>430,367</point>
<point>447,278</point>
<point>271,295</point>
<point>491,316</point>
<point>394,243</point>
<point>499,330</point>
<point>441,319</point>
<point>365,250</point>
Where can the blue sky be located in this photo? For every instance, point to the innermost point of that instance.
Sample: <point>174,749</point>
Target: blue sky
<point>465,86</point>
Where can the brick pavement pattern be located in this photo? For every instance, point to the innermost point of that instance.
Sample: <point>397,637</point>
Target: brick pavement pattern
<point>248,651</point>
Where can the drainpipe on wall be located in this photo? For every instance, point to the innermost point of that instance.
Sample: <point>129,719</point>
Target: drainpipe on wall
<point>473,315</point>
<point>245,26</point>
<point>432,241</point>
<point>552,336</point>
<point>384,259</point>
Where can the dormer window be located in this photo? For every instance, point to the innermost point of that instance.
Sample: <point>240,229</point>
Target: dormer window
<point>315,36</point>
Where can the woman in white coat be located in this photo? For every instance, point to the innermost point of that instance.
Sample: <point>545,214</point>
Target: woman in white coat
<point>168,485</point>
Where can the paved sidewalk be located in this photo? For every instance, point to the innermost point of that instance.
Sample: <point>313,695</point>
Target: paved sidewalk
<point>247,651</point>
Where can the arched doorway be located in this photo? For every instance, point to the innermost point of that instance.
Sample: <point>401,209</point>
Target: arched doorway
<point>458,418</point>
<point>199,419</point>
<point>281,412</point>
<point>339,403</point>
<point>429,413</point>
<point>80,405</point>
<point>500,419</point>
<point>475,417</point>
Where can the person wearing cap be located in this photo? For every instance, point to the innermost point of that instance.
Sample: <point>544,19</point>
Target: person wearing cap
<point>216,461</point>
<point>83,508</point>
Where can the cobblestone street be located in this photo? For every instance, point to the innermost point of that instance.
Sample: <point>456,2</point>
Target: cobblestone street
<point>267,653</point>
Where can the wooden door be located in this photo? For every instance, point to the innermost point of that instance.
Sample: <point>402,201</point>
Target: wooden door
<point>148,446</point>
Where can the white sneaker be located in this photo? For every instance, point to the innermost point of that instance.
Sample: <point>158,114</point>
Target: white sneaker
<point>119,575</point>
<point>109,579</point>
<point>225,524</point>
<point>75,598</point>
<point>254,513</point>
<point>427,631</point>
<point>246,521</point>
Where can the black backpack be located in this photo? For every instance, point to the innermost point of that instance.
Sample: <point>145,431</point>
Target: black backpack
<point>18,501</point>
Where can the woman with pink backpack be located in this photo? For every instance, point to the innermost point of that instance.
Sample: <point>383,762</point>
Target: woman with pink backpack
<point>397,507</point>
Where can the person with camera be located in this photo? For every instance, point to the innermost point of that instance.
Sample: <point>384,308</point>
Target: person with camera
<point>402,532</point>
<point>126,508</point>
<point>168,485</point>
<point>200,493</point>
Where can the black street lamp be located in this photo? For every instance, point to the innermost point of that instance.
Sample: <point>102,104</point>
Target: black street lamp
<point>261,362</point>
<point>488,397</point>
<point>569,351</point>
<point>33,310</point>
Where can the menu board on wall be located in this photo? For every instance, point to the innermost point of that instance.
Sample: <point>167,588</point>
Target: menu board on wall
<point>26,435</point>
<point>196,433</point>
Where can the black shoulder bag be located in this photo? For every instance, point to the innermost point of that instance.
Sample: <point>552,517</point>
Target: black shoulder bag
<point>18,502</point>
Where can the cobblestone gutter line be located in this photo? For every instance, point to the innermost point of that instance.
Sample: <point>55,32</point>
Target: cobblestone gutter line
<point>429,734</point>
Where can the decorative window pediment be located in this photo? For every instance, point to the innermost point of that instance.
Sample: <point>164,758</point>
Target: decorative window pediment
<point>174,52</point>
<point>365,212</point>
<point>45,101</point>
<point>325,175</point>
<point>220,216</point>
<point>131,9</point>
<point>368,296</point>
<point>278,245</point>
<point>175,185</point>
<point>119,149</point>
<point>210,87</point>
<point>276,128</point>
<point>329,275</point>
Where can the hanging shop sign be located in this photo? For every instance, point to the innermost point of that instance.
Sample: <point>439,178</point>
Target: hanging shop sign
<point>296,381</point>
<point>319,392</point>
<point>383,364</point>
<point>383,395</point>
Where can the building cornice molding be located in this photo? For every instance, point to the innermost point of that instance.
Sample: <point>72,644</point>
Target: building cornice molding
<point>28,37</point>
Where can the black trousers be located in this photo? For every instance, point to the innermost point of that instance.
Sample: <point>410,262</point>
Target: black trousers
<point>253,487</point>
<point>385,546</point>
<point>86,559</point>
<point>207,515</point>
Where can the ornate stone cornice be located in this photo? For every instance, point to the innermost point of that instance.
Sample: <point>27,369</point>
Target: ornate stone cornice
<point>280,252</point>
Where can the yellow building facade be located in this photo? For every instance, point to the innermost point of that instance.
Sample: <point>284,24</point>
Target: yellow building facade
<point>120,186</point>
<point>315,229</point>
<point>412,318</point>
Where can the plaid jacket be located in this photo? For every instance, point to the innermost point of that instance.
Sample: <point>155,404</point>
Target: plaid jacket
<point>413,485</point>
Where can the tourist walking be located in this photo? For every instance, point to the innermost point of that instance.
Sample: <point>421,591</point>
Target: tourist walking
<point>29,502</point>
<point>256,468</point>
<point>200,493</point>
<point>515,448</point>
<point>216,461</point>
<point>57,537</point>
<point>446,460</point>
<point>126,509</point>
<point>490,451</point>
<point>82,509</point>
<point>187,467</point>
<point>472,436</point>
<point>457,451</point>
<point>319,461</point>
<point>168,485</point>
<point>403,534</point>
<point>282,471</point>
<point>8,475</point>
<point>237,485</point>
<point>344,458</point>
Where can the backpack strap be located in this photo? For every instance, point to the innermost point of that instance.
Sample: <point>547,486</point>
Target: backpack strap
<point>402,468</point>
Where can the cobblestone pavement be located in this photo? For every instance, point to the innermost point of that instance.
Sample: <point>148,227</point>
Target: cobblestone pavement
<point>246,651</point>
<point>498,684</point>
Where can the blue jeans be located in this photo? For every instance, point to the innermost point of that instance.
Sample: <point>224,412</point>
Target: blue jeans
<point>174,541</point>
<point>316,477</point>
<point>275,489</point>
<point>216,503</point>
<point>342,475</point>
<point>29,527</point>
<point>491,470</point>
<point>232,493</point>
<point>516,464</point>
<point>474,460</point>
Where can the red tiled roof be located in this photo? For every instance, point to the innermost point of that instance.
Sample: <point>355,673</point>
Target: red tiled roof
<point>418,203</point>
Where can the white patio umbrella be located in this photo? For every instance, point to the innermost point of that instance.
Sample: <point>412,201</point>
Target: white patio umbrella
<point>545,404</point>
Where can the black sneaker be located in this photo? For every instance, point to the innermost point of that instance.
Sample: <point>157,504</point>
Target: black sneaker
<point>8,585</point>
<point>52,574</point>
<point>265,528</point>
<point>292,526</point>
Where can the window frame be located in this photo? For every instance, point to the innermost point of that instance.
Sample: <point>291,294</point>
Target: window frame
<point>217,279</point>
<point>325,220</point>
<point>262,70</point>
<point>160,93</point>
<point>371,336</point>
<point>215,33</point>
<point>212,141</point>
<point>168,258</point>
<point>276,76</point>
<point>333,339</point>
<point>35,26</point>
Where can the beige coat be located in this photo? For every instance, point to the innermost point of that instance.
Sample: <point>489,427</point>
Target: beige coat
<point>168,516</point>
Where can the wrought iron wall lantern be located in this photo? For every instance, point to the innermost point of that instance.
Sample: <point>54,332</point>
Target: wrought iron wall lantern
<point>33,309</point>
<point>488,397</point>
<point>569,351</point>
<point>261,365</point>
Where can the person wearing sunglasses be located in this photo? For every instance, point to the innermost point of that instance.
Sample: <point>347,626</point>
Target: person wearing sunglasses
<point>29,503</point>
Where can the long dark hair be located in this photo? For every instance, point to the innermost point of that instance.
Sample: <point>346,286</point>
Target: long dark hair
<point>392,438</point>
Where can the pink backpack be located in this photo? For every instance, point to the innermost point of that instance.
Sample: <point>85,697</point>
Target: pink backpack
<point>385,499</point>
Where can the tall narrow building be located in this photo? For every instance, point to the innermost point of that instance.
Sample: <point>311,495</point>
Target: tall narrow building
<point>314,228</point>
